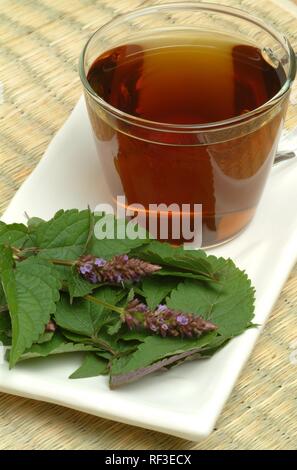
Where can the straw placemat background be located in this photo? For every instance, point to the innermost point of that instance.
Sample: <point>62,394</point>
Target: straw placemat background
<point>41,41</point>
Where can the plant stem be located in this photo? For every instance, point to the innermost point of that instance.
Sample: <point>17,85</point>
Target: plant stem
<point>18,253</point>
<point>31,249</point>
<point>104,304</point>
<point>103,344</point>
<point>62,262</point>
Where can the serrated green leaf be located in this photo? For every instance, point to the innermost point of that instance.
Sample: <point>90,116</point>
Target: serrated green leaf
<point>64,236</point>
<point>104,354</point>
<point>32,290</point>
<point>33,222</point>
<point>214,346</point>
<point>163,364</point>
<point>174,273</point>
<point>107,345</point>
<point>155,290</point>
<point>13,234</point>
<point>176,258</point>
<point>130,295</point>
<point>114,344</point>
<point>77,317</point>
<point>77,285</point>
<point>229,303</point>
<point>57,345</point>
<point>154,348</point>
<point>135,335</point>
<point>116,241</point>
<point>45,337</point>
<point>74,337</point>
<point>114,328</point>
<point>84,317</point>
<point>92,366</point>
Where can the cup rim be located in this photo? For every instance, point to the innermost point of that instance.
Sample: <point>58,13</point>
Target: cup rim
<point>205,6</point>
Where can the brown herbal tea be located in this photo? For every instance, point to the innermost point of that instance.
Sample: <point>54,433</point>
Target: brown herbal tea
<point>189,80</point>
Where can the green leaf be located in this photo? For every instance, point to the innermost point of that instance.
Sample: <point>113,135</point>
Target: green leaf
<point>74,337</point>
<point>130,295</point>
<point>32,290</point>
<point>13,234</point>
<point>84,317</point>
<point>135,335</point>
<point>154,290</point>
<point>164,364</point>
<point>103,343</point>
<point>104,354</point>
<point>163,254</point>
<point>92,366</point>
<point>45,337</point>
<point>174,273</point>
<point>107,345</point>
<point>77,285</point>
<point>64,236</point>
<point>229,303</point>
<point>153,349</point>
<point>216,345</point>
<point>116,241</point>
<point>57,345</point>
<point>115,327</point>
<point>33,222</point>
<point>77,317</point>
<point>114,344</point>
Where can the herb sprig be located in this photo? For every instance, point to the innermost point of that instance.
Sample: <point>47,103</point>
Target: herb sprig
<point>131,306</point>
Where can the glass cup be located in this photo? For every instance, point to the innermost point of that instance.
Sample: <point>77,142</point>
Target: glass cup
<point>221,165</point>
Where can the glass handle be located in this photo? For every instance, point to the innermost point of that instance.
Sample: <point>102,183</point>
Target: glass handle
<point>282,156</point>
<point>287,148</point>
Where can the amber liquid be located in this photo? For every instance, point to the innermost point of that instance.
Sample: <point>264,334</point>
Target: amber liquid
<point>190,80</point>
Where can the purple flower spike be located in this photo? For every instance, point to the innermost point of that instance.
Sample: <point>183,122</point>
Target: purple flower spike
<point>153,327</point>
<point>166,322</point>
<point>99,262</point>
<point>93,278</point>
<point>182,319</point>
<point>119,269</point>
<point>161,308</point>
<point>85,268</point>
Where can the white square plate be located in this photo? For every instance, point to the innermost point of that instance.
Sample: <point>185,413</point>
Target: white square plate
<point>187,400</point>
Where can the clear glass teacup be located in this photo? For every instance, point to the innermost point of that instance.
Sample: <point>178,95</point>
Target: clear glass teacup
<point>187,103</point>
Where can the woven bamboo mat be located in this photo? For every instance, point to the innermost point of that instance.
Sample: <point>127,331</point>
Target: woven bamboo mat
<point>41,41</point>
